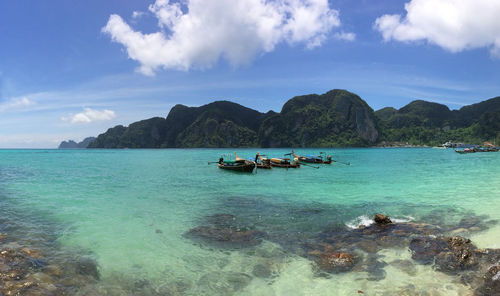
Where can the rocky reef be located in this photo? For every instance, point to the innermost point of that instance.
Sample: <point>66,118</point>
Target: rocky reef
<point>339,249</point>
<point>27,271</point>
<point>225,231</point>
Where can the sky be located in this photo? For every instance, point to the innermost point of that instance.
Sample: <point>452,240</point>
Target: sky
<point>72,69</point>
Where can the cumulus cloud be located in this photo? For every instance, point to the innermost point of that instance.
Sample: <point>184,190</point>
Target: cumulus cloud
<point>90,115</point>
<point>197,33</point>
<point>454,25</point>
<point>345,36</point>
<point>16,103</point>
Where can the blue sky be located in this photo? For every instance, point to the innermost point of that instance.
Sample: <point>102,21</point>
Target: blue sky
<point>71,69</point>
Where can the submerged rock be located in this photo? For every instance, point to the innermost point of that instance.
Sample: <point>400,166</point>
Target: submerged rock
<point>336,262</point>
<point>425,249</point>
<point>491,279</point>
<point>227,236</point>
<point>262,271</point>
<point>330,260</point>
<point>450,254</point>
<point>222,283</point>
<point>87,266</point>
<point>224,231</point>
<point>460,255</point>
<point>405,266</point>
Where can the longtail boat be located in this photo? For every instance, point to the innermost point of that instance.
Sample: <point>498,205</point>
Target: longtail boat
<point>466,150</point>
<point>313,158</point>
<point>284,163</point>
<point>238,165</point>
<point>262,163</point>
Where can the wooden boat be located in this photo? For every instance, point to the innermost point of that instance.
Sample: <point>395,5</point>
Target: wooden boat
<point>241,165</point>
<point>466,150</point>
<point>284,163</point>
<point>262,163</point>
<point>313,158</point>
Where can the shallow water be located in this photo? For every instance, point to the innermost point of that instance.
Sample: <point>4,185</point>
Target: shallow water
<point>130,211</point>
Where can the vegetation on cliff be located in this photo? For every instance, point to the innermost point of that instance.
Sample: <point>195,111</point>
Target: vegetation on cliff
<point>218,124</point>
<point>426,123</point>
<point>336,118</point>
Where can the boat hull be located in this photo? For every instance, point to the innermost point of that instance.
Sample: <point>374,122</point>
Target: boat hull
<point>285,165</point>
<point>264,166</point>
<point>318,161</point>
<point>244,167</point>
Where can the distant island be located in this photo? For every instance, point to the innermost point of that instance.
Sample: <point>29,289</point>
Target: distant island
<point>337,118</point>
<point>70,144</point>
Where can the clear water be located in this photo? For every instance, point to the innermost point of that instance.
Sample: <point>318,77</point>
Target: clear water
<point>130,209</point>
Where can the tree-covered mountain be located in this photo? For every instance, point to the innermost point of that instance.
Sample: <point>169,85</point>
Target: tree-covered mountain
<point>218,124</point>
<point>70,144</point>
<point>336,118</point>
<point>422,122</point>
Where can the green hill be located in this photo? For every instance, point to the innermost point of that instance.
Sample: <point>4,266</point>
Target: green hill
<point>336,118</point>
<point>218,124</point>
<point>422,122</point>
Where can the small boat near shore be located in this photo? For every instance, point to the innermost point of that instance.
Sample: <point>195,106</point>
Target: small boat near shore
<point>488,147</point>
<point>262,163</point>
<point>318,159</point>
<point>284,163</point>
<point>466,150</point>
<point>242,165</point>
<point>237,165</point>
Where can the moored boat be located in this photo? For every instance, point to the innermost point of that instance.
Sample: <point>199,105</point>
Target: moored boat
<point>284,163</point>
<point>239,165</point>
<point>262,163</point>
<point>313,158</point>
<point>467,150</point>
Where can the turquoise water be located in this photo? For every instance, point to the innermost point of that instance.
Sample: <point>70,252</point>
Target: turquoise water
<point>130,210</point>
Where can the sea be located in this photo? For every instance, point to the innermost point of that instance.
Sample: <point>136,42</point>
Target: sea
<point>124,218</point>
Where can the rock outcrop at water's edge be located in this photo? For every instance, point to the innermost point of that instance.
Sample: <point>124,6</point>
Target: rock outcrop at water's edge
<point>340,250</point>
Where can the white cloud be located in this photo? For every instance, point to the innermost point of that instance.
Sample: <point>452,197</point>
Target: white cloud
<point>137,14</point>
<point>204,31</point>
<point>90,115</point>
<point>16,103</point>
<point>345,36</point>
<point>454,25</point>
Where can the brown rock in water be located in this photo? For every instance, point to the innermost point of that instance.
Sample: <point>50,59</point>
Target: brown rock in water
<point>450,254</point>
<point>492,281</point>
<point>460,255</point>
<point>31,253</point>
<point>381,219</point>
<point>336,262</point>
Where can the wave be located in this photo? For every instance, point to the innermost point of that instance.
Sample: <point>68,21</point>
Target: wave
<point>364,220</point>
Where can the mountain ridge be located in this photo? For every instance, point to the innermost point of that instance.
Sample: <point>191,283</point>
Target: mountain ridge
<point>337,118</point>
